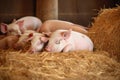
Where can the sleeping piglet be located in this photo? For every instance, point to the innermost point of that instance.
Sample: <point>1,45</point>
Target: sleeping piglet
<point>8,42</point>
<point>19,26</point>
<point>21,43</point>
<point>38,41</point>
<point>53,25</point>
<point>68,40</point>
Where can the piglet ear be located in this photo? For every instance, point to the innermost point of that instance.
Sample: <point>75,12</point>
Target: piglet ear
<point>20,23</point>
<point>44,39</point>
<point>3,27</point>
<point>66,34</point>
<point>47,33</point>
<point>30,37</point>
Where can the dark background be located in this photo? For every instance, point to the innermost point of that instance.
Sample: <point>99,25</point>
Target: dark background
<point>77,11</point>
<point>82,11</point>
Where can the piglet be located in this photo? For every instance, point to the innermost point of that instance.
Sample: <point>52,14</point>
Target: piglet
<point>17,27</point>
<point>38,41</point>
<point>8,42</point>
<point>68,40</point>
<point>22,42</point>
<point>53,25</point>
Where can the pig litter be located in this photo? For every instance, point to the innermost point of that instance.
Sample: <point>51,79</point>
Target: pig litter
<point>102,64</point>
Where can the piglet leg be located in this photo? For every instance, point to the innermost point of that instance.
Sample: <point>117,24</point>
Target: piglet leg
<point>67,48</point>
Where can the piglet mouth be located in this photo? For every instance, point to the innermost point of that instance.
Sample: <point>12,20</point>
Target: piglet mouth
<point>48,49</point>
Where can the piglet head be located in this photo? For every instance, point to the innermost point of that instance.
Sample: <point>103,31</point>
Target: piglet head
<point>24,38</point>
<point>15,28</point>
<point>58,40</point>
<point>37,43</point>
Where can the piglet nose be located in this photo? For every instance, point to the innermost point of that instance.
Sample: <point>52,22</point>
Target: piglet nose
<point>47,48</point>
<point>30,50</point>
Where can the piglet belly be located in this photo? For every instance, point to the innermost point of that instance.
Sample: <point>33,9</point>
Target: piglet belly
<point>81,45</point>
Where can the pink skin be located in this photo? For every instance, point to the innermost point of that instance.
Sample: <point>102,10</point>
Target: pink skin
<point>53,25</point>
<point>23,39</point>
<point>8,42</point>
<point>37,42</point>
<point>67,40</point>
<point>17,27</point>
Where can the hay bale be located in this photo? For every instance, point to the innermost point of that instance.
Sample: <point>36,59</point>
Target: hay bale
<point>80,65</point>
<point>105,31</point>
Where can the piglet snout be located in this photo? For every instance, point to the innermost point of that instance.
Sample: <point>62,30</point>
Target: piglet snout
<point>31,50</point>
<point>47,48</point>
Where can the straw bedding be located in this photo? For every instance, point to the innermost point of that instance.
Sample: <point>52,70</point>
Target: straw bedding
<point>77,65</point>
<point>81,65</point>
